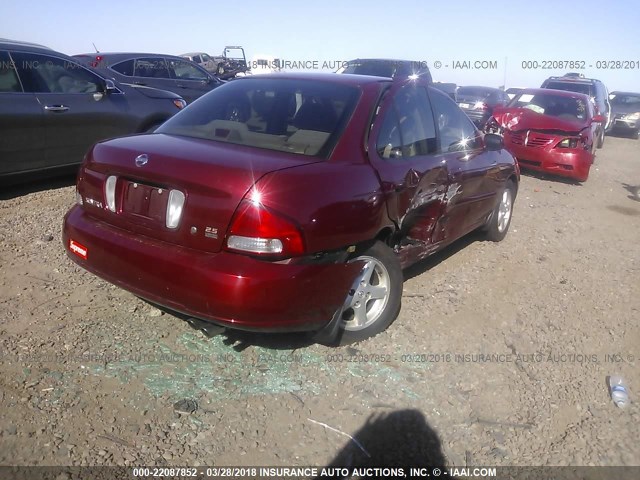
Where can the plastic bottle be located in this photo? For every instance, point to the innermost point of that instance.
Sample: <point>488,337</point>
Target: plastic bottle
<point>619,391</point>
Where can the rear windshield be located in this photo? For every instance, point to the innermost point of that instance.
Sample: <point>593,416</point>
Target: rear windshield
<point>296,116</point>
<point>624,99</point>
<point>376,69</point>
<point>554,105</point>
<point>474,92</point>
<point>571,87</point>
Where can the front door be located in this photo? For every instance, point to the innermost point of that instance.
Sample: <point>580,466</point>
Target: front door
<point>77,112</point>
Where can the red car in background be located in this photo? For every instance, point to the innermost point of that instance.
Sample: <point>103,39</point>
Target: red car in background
<point>551,131</point>
<point>290,202</point>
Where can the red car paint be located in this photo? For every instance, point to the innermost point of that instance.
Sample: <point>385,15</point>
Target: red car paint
<point>534,138</point>
<point>335,204</point>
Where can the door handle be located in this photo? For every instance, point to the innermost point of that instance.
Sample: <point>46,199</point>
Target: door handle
<point>413,178</point>
<point>56,108</point>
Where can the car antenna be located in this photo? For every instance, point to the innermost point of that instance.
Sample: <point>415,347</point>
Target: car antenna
<point>96,48</point>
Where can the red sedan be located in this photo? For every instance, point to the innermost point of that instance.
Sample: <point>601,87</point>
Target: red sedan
<point>550,131</point>
<point>290,202</point>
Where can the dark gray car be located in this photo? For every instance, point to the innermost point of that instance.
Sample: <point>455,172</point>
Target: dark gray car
<point>52,109</point>
<point>625,113</point>
<point>167,72</point>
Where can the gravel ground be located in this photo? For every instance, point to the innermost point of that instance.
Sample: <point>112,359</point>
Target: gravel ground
<point>499,356</point>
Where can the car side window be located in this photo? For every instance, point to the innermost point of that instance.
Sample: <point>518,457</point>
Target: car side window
<point>455,130</point>
<point>410,122</point>
<point>185,71</point>
<point>151,68</point>
<point>9,81</point>
<point>46,74</point>
<point>124,68</point>
<point>389,143</point>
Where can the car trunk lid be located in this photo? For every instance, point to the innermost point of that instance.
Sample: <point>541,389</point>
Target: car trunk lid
<point>153,172</point>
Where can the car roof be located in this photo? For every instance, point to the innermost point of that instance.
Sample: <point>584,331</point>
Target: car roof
<point>192,54</point>
<point>566,79</point>
<point>127,55</point>
<point>631,94</point>
<point>383,60</point>
<point>479,87</point>
<point>24,46</point>
<point>557,93</point>
<point>343,79</point>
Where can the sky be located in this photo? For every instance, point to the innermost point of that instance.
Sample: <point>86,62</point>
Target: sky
<point>493,43</point>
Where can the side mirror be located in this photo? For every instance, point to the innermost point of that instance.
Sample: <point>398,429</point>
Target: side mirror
<point>598,119</point>
<point>493,142</point>
<point>110,87</point>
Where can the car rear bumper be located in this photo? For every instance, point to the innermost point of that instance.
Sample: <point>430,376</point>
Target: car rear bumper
<point>573,163</point>
<point>228,289</point>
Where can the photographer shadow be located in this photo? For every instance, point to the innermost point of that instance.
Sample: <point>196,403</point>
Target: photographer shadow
<point>401,438</point>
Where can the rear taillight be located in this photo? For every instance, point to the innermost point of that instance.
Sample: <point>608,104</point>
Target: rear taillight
<point>174,208</point>
<point>258,230</point>
<point>180,103</point>
<point>96,62</point>
<point>110,192</point>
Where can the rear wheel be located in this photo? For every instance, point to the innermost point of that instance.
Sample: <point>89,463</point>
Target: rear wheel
<point>373,302</point>
<point>600,142</point>
<point>498,224</point>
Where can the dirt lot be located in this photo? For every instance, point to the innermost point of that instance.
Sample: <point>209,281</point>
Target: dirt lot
<point>499,355</point>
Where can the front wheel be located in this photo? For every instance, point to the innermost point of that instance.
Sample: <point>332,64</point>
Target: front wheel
<point>373,302</point>
<point>498,224</point>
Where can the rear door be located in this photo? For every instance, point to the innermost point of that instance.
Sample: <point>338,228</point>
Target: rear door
<point>22,144</point>
<point>76,110</point>
<point>146,71</point>
<point>402,149</point>
<point>473,173</point>
<point>191,81</point>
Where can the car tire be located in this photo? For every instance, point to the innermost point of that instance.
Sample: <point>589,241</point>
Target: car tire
<point>499,221</point>
<point>600,141</point>
<point>374,300</point>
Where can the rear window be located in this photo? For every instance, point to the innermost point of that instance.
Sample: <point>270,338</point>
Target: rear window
<point>376,69</point>
<point>474,92</point>
<point>301,117</point>
<point>566,108</point>
<point>623,99</point>
<point>572,87</point>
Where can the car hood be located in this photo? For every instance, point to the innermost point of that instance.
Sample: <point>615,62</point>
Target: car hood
<point>519,119</point>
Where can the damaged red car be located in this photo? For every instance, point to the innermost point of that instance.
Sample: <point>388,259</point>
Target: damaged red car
<point>290,202</point>
<point>551,131</point>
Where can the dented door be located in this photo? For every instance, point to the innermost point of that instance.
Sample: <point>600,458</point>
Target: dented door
<point>403,150</point>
